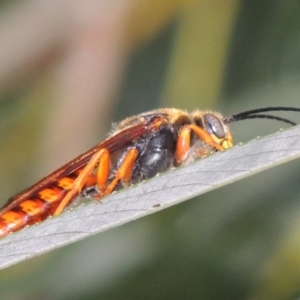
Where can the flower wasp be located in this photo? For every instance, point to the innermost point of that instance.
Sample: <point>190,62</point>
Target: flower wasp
<point>140,147</point>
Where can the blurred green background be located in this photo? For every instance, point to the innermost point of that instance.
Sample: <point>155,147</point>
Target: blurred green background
<point>241,241</point>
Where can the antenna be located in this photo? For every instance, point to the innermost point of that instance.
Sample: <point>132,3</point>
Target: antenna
<point>255,114</point>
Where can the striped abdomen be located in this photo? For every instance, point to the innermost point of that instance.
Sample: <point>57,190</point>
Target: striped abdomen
<point>39,207</point>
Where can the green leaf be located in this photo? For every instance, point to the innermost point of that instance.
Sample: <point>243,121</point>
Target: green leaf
<point>151,196</point>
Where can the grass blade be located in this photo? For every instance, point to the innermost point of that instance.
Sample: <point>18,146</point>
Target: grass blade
<point>153,195</point>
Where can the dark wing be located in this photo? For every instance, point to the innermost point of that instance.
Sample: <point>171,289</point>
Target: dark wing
<point>112,144</point>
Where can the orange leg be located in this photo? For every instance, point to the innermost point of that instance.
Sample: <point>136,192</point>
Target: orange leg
<point>184,141</point>
<point>103,171</point>
<point>205,137</point>
<point>124,173</point>
<point>183,144</point>
<point>101,157</point>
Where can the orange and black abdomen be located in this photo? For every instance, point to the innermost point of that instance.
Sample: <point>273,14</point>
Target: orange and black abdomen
<point>45,198</point>
<point>37,208</point>
<point>155,155</point>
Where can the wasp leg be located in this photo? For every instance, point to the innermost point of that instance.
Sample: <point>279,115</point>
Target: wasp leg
<point>124,172</point>
<point>103,171</point>
<point>183,144</point>
<point>101,157</point>
<point>205,137</point>
<point>184,141</point>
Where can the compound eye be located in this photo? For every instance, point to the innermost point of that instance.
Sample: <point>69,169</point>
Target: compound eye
<point>214,126</point>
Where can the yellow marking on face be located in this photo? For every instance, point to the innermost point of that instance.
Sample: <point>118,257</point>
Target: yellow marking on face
<point>227,144</point>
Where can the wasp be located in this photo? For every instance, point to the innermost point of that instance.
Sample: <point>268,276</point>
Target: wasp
<point>139,148</point>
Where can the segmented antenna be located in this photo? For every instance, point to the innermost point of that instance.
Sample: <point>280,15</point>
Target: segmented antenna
<point>255,114</point>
